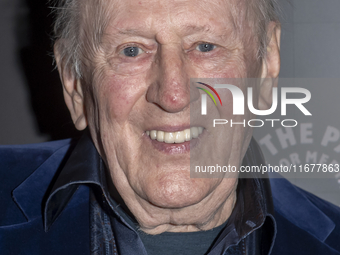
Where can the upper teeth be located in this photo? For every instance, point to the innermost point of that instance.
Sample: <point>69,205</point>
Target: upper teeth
<point>175,137</point>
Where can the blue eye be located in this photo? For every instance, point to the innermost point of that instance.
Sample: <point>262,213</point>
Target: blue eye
<point>132,51</point>
<point>205,47</point>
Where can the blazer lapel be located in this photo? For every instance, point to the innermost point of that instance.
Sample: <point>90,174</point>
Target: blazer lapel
<point>70,232</point>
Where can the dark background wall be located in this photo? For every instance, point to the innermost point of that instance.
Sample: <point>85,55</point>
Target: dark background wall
<point>32,108</point>
<point>31,104</point>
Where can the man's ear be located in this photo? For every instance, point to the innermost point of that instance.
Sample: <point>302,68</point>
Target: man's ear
<point>73,93</point>
<point>270,66</point>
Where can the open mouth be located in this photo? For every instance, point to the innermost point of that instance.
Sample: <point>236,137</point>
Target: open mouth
<point>175,137</point>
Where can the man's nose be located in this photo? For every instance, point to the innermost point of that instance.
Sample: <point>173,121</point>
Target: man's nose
<point>170,82</point>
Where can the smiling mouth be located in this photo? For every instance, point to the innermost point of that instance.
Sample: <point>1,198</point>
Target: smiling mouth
<point>175,137</point>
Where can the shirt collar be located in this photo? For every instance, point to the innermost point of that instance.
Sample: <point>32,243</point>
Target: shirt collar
<point>85,166</point>
<point>253,210</point>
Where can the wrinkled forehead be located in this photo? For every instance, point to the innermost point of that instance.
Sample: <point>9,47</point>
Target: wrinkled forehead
<point>109,16</point>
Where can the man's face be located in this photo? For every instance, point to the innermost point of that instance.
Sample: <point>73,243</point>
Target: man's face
<point>141,87</point>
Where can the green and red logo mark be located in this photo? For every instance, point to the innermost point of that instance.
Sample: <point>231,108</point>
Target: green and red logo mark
<point>211,88</point>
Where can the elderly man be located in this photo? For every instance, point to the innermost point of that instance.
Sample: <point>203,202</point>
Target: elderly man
<point>125,186</point>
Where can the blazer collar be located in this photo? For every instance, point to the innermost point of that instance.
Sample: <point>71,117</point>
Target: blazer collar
<point>30,194</point>
<point>292,203</point>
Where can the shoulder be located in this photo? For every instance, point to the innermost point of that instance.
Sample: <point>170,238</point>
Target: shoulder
<point>306,224</point>
<point>28,156</point>
<point>10,154</point>
<point>19,161</point>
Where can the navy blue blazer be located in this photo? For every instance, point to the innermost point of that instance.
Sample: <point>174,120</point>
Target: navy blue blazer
<point>306,224</point>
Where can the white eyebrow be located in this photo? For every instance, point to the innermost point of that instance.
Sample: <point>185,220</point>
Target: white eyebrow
<point>137,31</point>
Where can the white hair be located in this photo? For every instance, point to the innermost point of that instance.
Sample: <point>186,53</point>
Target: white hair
<point>265,11</point>
<point>66,30</point>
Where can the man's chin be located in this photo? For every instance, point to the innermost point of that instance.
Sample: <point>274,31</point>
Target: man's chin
<point>180,194</point>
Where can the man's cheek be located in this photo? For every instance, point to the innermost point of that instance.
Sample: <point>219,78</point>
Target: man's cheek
<point>118,97</point>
